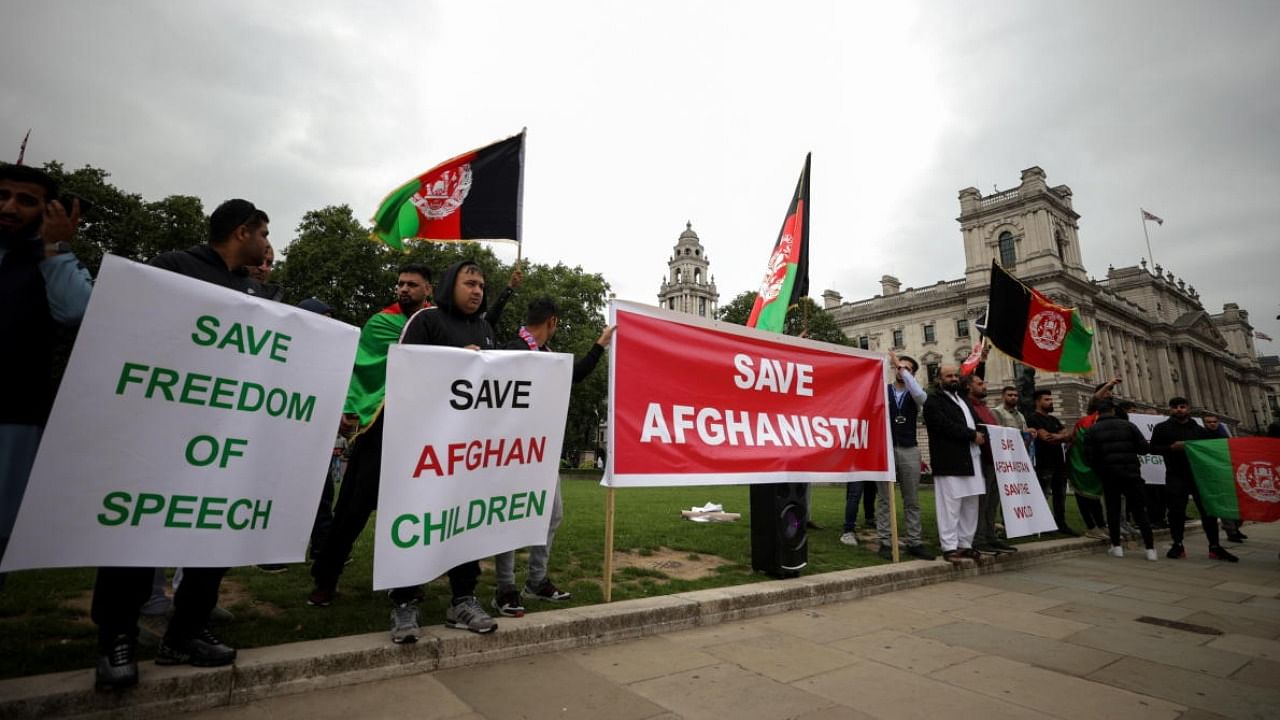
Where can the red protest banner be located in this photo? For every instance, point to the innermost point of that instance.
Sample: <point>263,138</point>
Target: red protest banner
<point>694,402</point>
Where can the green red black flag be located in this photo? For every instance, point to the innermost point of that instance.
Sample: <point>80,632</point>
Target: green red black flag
<point>1239,478</point>
<point>786,279</point>
<point>1027,326</point>
<point>474,196</point>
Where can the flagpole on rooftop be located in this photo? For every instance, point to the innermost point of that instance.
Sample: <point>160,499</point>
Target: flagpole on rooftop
<point>1143,214</point>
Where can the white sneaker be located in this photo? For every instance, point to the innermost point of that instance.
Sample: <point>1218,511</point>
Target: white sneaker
<point>1151,554</point>
<point>1116,551</point>
<point>850,539</point>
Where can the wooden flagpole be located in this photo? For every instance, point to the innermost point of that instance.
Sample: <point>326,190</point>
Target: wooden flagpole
<point>608,543</point>
<point>893,517</point>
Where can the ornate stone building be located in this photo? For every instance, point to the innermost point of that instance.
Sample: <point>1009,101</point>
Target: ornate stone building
<point>1150,328</point>
<point>689,286</point>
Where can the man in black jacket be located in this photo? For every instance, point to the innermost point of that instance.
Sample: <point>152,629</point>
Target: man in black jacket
<point>237,238</point>
<point>1168,439</point>
<point>1111,447</point>
<point>541,322</point>
<point>954,442</point>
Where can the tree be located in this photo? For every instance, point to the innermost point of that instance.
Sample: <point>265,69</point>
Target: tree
<point>334,260</point>
<point>821,326</point>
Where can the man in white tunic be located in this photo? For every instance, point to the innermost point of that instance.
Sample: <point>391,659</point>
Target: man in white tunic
<point>954,439</point>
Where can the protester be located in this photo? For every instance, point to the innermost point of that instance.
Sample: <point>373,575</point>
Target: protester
<point>42,286</point>
<point>1112,446</point>
<point>1217,428</point>
<point>1051,468</point>
<point>237,239</point>
<point>1168,440</point>
<point>1007,411</point>
<point>985,538</point>
<point>324,512</point>
<point>262,273</point>
<point>954,442</point>
<point>905,400</point>
<point>541,322</point>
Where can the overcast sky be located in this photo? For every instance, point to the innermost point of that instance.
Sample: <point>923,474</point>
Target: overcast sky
<point>644,115</point>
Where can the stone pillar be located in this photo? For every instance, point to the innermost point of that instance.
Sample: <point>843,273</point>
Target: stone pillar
<point>1190,384</point>
<point>1144,369</point>
<point>1163,386</point>
<point>1204,380</point>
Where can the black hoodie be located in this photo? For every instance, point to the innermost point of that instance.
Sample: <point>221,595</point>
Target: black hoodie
<point>444,324</point>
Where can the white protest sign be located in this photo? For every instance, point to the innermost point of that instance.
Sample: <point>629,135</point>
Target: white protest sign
<point>193,428</point>
<point>1152,465</point>
<point>1023,503</point>
<point>470,457</point>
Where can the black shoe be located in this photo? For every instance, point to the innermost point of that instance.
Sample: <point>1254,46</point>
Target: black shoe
<point>204,650</point>
<point>507,602</point>
<point>987,548</point>
<point>1003,547</point>
<point>117,666</point>
<point>920,552</point>
<point>1220,553</point>
<point>1236,537</point>
<point>885,552</point>
<point>1176,552</point>
<point>321,598</point>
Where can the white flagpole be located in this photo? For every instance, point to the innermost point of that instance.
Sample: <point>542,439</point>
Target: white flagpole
<point>1151,259</point>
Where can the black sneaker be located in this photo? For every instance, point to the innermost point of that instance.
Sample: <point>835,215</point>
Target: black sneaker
<point>507,602</point>
<point>546,590</point>
<point>203,650</point>
<point>117,666</point>
<point>1003,547</point>
<point>885,552</point>
<point>1236,537</point>
<point>1176,552</point>
<point>1220,553</point>
<point>920,552</point>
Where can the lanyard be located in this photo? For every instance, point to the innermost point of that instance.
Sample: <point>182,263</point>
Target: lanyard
<point>528,338</point>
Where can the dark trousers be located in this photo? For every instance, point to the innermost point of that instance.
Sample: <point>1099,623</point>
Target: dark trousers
<point>324,517</point>
<point>1154,495</point>
<point>1091,511</point>
<point>1131,490</point>
<point>1053,482</point>
<point>357,500</point>
<point>118,594</point>
<point>1176,491</point>
<point>988,509</point>
<point>856,493</point>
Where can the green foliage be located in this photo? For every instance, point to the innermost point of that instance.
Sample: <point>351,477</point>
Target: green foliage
<point>804,315</point>
<point>333,259</point>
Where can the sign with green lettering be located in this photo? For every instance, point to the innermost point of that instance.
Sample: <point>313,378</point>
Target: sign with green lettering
<point>470,457</point>
<point>193,428</point>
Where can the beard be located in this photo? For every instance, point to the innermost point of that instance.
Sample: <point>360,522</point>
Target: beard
<point>952,387</point>
<point>11,236</point>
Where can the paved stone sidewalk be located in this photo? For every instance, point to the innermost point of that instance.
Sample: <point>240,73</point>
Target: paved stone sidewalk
<point>1082,637</point>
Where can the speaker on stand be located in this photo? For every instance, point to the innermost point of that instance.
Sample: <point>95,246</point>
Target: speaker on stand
<point>779,544</point>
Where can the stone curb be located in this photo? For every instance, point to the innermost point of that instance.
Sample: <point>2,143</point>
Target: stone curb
<point>298,667</point>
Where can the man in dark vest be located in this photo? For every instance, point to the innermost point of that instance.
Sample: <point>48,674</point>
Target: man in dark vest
<point>905,399</point>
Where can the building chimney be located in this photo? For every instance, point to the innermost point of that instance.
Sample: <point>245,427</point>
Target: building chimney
<point>889,285</point>
<point>831,299</point>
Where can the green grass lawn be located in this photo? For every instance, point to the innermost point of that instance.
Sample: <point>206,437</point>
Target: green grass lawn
<point>44,616</point>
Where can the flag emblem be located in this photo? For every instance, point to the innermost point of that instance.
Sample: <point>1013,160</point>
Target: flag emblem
<point>441,195</point>
<point>1047,330</point>
<point>1258,480</point>
<point>776,273</point>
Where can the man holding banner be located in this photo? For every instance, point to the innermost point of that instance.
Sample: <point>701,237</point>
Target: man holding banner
<point>237,239</point>
<point>1169,439</point>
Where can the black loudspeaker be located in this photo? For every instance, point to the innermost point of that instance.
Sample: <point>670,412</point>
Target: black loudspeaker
<point>779,544</point>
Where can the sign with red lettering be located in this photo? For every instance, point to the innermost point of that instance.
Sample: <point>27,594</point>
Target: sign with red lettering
<point>1023,503</point>
<point>470,457</point>
<point>698,402</point>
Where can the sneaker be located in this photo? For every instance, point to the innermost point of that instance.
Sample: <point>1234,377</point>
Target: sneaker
<point>885,552</point>
<point>969,553</point>
<point>466,614</point>
<point>1176,552</point>
<point>1096,533</point>
<point>404,623</point>
<point>1116,551</point>
<point>1236,537</point>
<point>203,650</point>
<point>1220,553</point>
<point>273,569</point>
<point>850,538</point>
<point>321,598</point>
<point>507,602</point>
<point>546,590</point>
<point>920,552</point>
<point>117,667</point>
<point>1151,554</point>
<point>1003,547</point>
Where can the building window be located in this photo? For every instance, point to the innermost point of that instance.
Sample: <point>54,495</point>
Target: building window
<point>702,307</point>
<point>864,342</point>
<point>697,275</point>
<point>929,335</point>
<point>671,303</point>
<point>962,327</point>
<point>932,370</point>
<point>897,339</point>
<point>1007,255</point>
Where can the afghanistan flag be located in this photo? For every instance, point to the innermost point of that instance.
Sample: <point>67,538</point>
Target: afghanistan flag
<point>787,278</point>
<point>1239,478</point>
<point>475,196</point>
<point>1085,481</point>
<point>1027,326</point>
<point>369,377</point>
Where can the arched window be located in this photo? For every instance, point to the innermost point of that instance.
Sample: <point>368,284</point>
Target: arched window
<point>697,275</point>
<point>1007,255</point>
